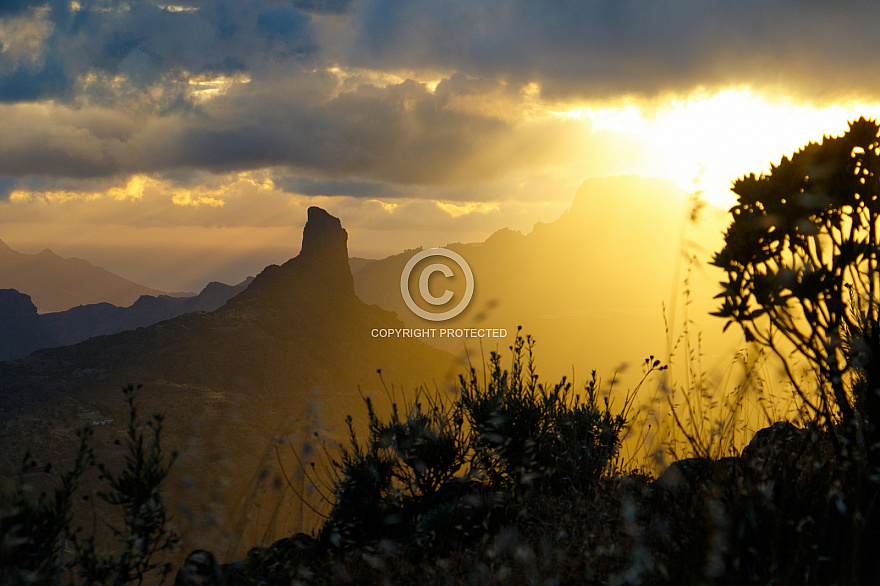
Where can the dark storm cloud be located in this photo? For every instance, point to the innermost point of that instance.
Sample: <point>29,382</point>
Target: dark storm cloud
<point>588,48</point>
<point>27,83</point>
<point>10,7</point>
<point>7,186</point>
<point>309,186</point>
<point>607,47</point>
<point>119,79</point>
<point>403,133</point>
<point>325,6</point>
<point>147,43</point>
<point>399,133</point>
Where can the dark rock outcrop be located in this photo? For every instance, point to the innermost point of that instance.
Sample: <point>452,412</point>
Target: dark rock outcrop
<point>743,519</point>
<point>199,569</point>
<point>321,270</point>
<point>694,474</point>
<point>325,243</point>
<point>20,329</point>
<point>782,447</point>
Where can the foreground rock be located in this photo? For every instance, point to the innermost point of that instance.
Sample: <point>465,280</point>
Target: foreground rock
<point>20,330</point>
<point>785,508</point>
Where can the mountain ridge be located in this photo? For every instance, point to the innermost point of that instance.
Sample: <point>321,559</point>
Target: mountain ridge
<point>296,343</point>
<point>56,284</point>
<point>590,286</point>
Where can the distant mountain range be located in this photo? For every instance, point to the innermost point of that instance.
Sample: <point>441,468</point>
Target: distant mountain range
<point>21,334</point>
<point>22,330</point>
<point>101,319</point>
<point>589,286</point>
<point>297,340</point>
<point>55,284</point>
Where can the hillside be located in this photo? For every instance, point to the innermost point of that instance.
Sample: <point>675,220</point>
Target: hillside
<point>100,319</point>
<point>608,264</point>
<point>296,342</point>
<point>56,284</point>
<point>20,330</point>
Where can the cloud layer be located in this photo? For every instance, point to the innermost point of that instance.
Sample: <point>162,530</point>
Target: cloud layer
<point>104,88</point>
<point>160,114</point>
<point>610,47</point>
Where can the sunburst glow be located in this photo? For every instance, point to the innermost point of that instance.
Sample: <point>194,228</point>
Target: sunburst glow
<point>704,142</point>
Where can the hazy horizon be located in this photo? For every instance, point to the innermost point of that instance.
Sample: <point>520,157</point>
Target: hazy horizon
<point>175,144</point>
<point>169,268</point>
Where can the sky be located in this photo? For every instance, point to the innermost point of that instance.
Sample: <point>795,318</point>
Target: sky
<point>177,143</point>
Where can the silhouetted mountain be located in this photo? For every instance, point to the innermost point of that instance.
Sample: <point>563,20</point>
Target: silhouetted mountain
<point>357,263</point>
<point>296,341</point>
<point>56,284</point>
<point>589,286</point>
<point>101,319</point>
<point>20,329</point>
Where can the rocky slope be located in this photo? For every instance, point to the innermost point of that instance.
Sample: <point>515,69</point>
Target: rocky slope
<point>20,330</point>
<point>296,345</point>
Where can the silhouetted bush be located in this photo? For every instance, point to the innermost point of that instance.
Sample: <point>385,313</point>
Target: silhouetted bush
<point>33,531</point>
<point>801,266</point>
<point>525,433</point>
<point>137,491</point>
<point>400,474</point>
<point>446,472</point>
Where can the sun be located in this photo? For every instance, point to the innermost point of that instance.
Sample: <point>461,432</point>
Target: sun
<point>706,141</point>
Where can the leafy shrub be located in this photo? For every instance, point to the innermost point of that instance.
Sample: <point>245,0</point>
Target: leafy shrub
<point>524,431</point>
<point>32,531</point>
<point>443,473</point>
<point>399,474</point>
<point>801,265</point>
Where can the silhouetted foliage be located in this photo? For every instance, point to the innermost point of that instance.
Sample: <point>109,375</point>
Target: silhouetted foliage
<point>446,472</point>
<point>801,257</point>
<point>33,531</point>
<point>401,474</point>
<point>137,491</point>
<point>525,432</point>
